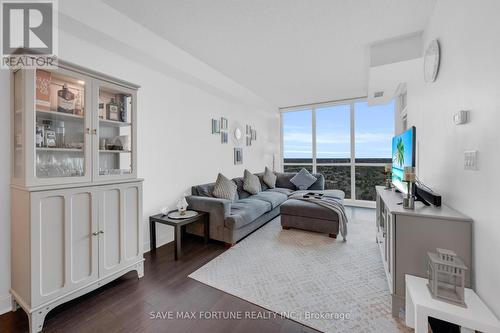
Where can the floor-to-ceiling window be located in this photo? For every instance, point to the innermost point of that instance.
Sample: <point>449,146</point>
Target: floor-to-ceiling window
<point>348,142</point>
<point>298,139</point>
<point>333,146</point>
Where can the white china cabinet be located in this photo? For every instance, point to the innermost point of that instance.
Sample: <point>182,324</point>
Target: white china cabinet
<point>76,200</point>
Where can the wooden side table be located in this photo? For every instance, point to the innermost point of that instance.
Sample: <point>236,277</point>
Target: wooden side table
<point>178,225</point>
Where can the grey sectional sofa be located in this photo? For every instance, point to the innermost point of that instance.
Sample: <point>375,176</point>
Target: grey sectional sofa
<point>231,221</point>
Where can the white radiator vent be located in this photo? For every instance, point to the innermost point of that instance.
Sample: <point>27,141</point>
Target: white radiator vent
<point>378,94</point>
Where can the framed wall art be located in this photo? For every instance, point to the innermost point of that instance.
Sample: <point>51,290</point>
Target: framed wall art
<point>238,155</point>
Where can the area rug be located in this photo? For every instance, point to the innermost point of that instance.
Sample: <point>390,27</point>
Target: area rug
<point>323,283</point>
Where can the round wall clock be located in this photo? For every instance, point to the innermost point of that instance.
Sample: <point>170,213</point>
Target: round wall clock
<point>431,61</point>
<point>237,133</point>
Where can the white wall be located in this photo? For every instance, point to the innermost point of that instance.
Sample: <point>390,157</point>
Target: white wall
<point>388,79</point>
<point>178,97</point>
<point>397,49</point>
<point>469,79</point>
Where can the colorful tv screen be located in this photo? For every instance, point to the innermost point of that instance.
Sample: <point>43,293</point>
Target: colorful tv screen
<point>403,155</point>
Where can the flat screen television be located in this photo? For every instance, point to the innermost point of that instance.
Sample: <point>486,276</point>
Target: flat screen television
<point>403,155</point>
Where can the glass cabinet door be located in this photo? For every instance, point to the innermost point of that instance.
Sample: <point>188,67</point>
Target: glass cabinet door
<point>62,121</point>
<point>116,132</point>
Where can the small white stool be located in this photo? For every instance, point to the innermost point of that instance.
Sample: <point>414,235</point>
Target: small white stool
<point>420,305</point>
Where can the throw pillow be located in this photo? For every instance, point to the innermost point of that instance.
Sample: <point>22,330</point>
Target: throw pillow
<point>251,183</point>
<point>269,178</point>
<point>303,179</point>
<point>224,188</point>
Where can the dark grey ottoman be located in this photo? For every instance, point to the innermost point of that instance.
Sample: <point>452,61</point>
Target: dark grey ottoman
<point>309,216</point>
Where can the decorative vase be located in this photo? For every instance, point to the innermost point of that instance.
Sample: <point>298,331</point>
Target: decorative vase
<point>164,211</point>
<point>388,182</point>
<point>409,199</point>
<point>388,174</point>
<point>409,177</point>
<point>182,205</point>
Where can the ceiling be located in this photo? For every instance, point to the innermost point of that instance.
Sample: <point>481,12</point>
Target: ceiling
<point>288,52</point>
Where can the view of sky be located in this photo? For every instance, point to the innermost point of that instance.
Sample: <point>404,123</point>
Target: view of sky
<point>374,129</point>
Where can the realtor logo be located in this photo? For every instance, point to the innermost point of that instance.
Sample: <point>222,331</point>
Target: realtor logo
<point>28,34</point>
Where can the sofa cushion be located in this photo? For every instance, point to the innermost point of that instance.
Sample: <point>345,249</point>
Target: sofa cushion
<point>242,194</point>
<point>262,184</point>
<point>274,198</point>
<point>282,190</point>
<point>269,178</point>
<point>283,181</point>
<point>251,183</point>
<point>303,179</point>
<point>203,190</point>
<point>225,188</point>
<point>245,211</point>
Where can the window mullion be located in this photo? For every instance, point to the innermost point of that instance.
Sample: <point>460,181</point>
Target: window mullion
<point>282,144</point>
<point>353,155</point>
<point>314,139</point>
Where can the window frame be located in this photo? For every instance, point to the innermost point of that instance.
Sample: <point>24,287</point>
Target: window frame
<point>353,164</point>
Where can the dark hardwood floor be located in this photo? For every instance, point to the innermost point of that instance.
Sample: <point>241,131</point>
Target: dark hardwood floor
<point>126,304</point>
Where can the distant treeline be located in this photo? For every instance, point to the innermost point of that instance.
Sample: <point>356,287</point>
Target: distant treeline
<point>338,160</point>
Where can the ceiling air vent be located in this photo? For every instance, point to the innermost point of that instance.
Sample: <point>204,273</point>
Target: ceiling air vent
<point>378,94</point>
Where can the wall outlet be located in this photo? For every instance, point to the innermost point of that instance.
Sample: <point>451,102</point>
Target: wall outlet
<point>461,117</point>
<point>470,160</point>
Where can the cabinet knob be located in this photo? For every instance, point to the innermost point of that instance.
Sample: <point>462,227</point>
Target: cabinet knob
<point>95,233</point>
<point>87,130</point>
<point>94,131</point>
<point>101,232</point>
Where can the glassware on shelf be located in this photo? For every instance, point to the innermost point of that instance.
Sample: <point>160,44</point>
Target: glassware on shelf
<point>39,135</point>
<point>123,102</point>
<point>114,106</point>
<point>49,166</point>
<point>112,110</point>
<point>103,171</point>
<point>60,135</point>
<point>117,143</point>
<point>78,103</point>
<point>102,143</point>
<point>115,132</point>
<point>60,125</point>
<point>49,135</point>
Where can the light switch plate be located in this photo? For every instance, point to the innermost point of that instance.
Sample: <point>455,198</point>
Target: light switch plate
<point>470,160</point>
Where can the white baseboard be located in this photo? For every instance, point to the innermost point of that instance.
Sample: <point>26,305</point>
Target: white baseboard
<point>5,304</point>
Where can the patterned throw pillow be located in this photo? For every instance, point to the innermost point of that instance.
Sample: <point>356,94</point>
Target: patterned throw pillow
<point>251,183</point>
<point>303,179</point>
<point>269,178</point>
<point>224,188</point>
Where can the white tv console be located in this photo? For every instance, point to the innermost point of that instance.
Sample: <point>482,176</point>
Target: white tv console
<point>406,235</point>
